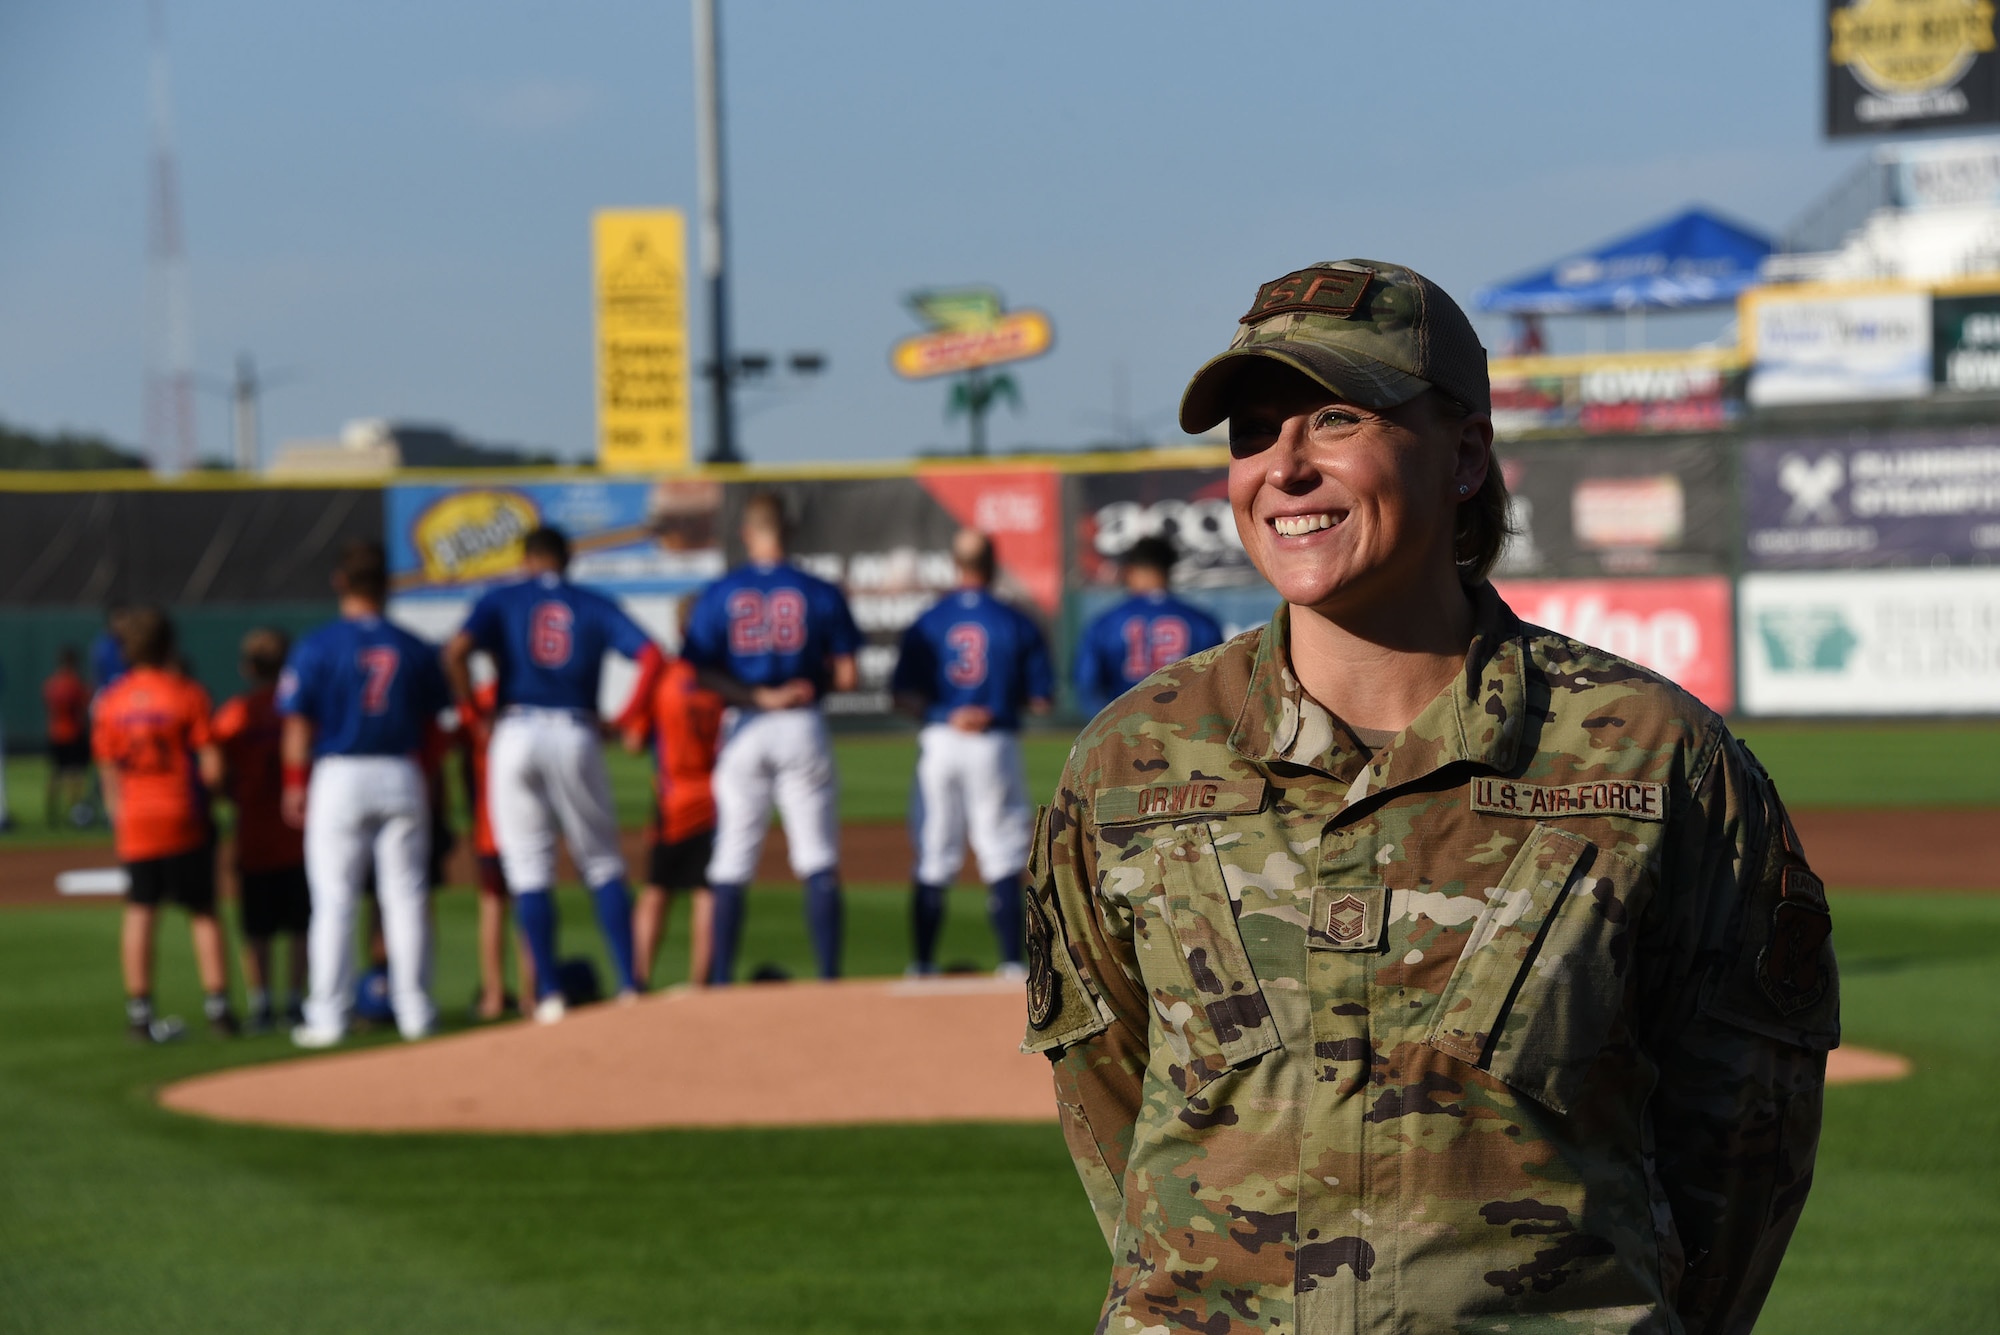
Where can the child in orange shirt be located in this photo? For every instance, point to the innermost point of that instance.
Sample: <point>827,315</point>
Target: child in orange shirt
<point>683,723</point>
<point>271,895</point>
<point>153,748</point>
<point>66,698</point>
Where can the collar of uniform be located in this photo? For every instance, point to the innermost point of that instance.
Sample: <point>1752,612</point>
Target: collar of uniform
<point>1478,718</point>
<point>1279,721</point>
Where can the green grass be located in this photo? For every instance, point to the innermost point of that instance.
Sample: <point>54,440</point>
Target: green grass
<point>1953,764</point>
<point>875,773</point>
<point>1905,1212</point>
<point>1816,765</point>
<point>116,1216</point>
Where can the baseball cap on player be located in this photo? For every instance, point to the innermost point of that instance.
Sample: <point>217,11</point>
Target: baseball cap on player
<point>1376,334</point>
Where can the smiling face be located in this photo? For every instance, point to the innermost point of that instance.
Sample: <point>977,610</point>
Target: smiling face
<point>1347,509</point>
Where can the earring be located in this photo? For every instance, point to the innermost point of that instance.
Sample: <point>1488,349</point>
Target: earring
<point>1462,489</point>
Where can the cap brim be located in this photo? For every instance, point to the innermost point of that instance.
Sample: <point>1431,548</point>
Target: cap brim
<point>1353,377</point>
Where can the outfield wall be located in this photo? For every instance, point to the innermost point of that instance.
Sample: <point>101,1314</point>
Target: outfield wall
<point>1824,574</point>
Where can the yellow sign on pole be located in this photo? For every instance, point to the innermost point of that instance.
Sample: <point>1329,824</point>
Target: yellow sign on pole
<point>639,272</point>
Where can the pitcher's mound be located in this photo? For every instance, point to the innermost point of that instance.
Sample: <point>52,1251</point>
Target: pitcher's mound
<point>761,1055</point>
<point>766,1054</point>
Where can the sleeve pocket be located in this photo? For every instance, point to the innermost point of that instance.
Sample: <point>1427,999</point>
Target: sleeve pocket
<point>1107,1196</point>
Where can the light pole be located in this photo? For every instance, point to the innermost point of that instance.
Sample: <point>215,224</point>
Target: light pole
<point>245,392</point>
<point>714,269</point>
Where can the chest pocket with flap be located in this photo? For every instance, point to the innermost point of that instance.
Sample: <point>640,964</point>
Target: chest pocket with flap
<point>1542,976</point>
<point>1204,991</point>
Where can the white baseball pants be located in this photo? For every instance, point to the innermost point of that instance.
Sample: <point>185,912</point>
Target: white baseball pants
<point>969,784</point>
<point>545,770</point>
<point>783,756</point>
<point>363,811</point>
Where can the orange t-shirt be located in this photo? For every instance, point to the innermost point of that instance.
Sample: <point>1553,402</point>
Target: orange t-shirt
<point>684,722</point>
<point>67,700</point>
<point>487,697</point>
<point>249,730</point>
<point>149,724</point>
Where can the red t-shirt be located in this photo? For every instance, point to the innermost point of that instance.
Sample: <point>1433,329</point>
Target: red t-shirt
<point>250,730</point>
<point>149,724</point>
<point>684,721</point>
<point>487,698</point>
<point>67,700</point>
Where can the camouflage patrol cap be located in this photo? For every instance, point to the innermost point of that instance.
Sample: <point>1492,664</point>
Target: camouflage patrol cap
<point>1375,334</point>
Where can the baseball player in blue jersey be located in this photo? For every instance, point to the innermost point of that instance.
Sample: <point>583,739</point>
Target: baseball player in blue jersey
<point>358,696</point>
<point>968,667</point>
<point>772,641</point>
<point>545,768</point>
<point>1142,634</point>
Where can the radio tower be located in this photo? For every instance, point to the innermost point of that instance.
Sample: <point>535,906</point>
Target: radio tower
<point>170,438</point>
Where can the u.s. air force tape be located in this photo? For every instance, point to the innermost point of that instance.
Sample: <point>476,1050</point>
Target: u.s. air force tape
<point>1634,799</point>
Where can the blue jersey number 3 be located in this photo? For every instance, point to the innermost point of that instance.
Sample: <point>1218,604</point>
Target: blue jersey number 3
<point>967,667</point>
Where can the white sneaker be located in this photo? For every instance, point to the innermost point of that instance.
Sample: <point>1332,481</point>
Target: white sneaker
<point>550,1009</point>
<point>1013,971</point>
<point>305,1036</point>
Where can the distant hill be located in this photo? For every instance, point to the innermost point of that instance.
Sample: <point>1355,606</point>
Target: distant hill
<point>62,450</point>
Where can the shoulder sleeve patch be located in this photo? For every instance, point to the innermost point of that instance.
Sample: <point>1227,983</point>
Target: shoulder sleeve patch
<point>1784,983</point>
<point>1178,799</point>
<point>1061,1007</point>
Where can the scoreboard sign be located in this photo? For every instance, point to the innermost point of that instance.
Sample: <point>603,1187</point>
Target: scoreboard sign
<point>1904,65</point>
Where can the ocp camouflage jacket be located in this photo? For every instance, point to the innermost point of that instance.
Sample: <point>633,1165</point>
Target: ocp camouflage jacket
<point>1517,1025</point>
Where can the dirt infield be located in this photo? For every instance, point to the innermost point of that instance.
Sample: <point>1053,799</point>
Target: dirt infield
<point>790,1054</point>
<point>1852,850</point>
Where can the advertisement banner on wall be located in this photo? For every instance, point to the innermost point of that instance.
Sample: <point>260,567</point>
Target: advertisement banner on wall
<point>1905,498</point>
<point>1189,507</point>
<point>1944,173</point>
<point>1680,628</point>
<point>1909,65</point>
<point>1587,508</point>
<point>1965,342</point>
<point>647,544</point>
<point>448,541</point>
<point>1874,642</point>
<point>887,542</point>
<point>1609,395</point>
<point>1839,347</point>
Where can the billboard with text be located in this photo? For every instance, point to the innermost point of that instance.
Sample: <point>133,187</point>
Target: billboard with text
<point>1593,508</point>
<point>1909,65</point>
<point>1871,642</point>
<point>1838,346</point>
<point>1913,498</point>
<point>1680,628</point>
<point>1189,507</point>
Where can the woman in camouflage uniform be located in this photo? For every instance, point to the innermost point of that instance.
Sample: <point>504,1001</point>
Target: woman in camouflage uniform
<point>1405,967</point>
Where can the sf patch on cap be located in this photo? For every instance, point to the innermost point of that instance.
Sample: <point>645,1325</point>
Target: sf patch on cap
<point>1335,292</point>
<point>1369,332</point>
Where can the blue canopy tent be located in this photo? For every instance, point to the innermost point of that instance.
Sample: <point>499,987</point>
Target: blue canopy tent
<point>1691,260</point>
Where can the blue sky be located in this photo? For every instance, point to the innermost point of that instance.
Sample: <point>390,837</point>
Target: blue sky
<point>393,199</point>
